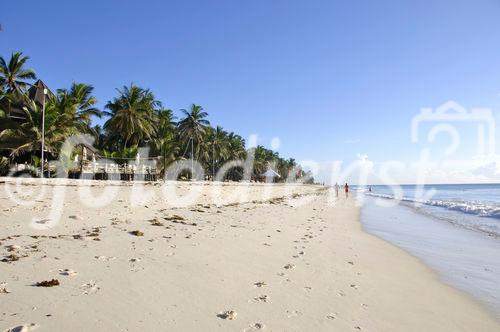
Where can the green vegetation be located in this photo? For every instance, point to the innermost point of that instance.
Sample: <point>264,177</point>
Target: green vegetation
<point>134,118</point>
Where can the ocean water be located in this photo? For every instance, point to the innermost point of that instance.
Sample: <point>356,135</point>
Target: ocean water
<point>455,231</point>
<point>472,206</point>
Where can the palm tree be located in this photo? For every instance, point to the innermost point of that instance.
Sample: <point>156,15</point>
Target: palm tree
<point>26,137</point>
<point>133,115</point>
<point>236,149</point>
<point>282,168</point>
<point>193,126</point>
<point>82,101</point>
<point>3,98</point>
<point>66,114</point>
<point>76,107</point>
<point>4,165</point>
<point>291,166</point>
<point>99,136</point>
<point>135,118</point>
<point>263,159</point>
<point>220,147</point>
<point>164,144</point>
<point>3,108</point>
<point>13,75</point>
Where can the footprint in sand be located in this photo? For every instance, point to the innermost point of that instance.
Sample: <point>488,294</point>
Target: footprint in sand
<point>289,266</point>
<point>255,327</point>
<point>12,247</point>
<point>41,221</point>
<point>90,288</point>
<point>104,258</point>
<point>260,284</point>
<point>3,288</point>
<point>67,272</point>
<point>261,298</point>
<point>23,328</point>
<point>293,313</point>
<point>229,314</point>
<point>331,316</point>
<point>288,280</point>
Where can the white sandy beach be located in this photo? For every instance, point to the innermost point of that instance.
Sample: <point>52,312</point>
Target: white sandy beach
<point>278,264</point>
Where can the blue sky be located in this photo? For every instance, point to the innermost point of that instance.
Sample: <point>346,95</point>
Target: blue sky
<point>331,79</point>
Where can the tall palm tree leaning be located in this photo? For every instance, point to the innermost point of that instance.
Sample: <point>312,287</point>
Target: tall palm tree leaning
<point>192,128</point>
<point>13,75</point>
<point>133,115</point>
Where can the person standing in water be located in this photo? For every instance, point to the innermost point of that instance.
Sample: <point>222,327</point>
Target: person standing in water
<point>346,188</point>
<point>337,189</point>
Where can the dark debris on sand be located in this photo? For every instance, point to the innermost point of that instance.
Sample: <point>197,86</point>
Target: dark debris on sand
<point>47,283</point>
<point>180,220</point>
<point>10,258</point>
<point>155,222</point>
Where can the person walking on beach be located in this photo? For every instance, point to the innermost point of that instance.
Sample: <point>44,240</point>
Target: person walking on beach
<point>337,189</point>
<point>346,188</point>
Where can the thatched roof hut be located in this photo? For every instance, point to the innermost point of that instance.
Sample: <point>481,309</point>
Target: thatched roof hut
<point>35,93</point>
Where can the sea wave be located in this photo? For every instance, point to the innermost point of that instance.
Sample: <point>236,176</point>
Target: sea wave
<point>481,209</point>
